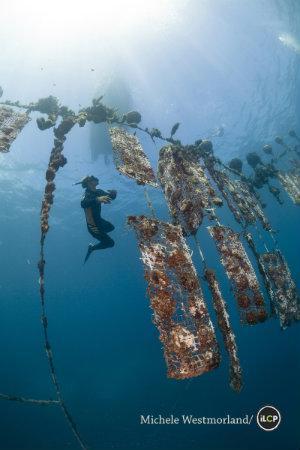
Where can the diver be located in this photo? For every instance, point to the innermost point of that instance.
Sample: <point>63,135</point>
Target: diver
<point>91,203</point>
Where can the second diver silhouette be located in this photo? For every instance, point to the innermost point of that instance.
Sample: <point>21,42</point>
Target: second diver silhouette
<point>91,203</point>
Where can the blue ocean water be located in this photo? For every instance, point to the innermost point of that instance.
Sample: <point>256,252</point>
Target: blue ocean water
<point>216,64</point>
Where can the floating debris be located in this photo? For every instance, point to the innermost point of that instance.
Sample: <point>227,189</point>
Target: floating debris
<point>187,189</point>
<point>129,157</point>
<point>235,371</point>
<point>291,182</point>
<point>282,287</point>
<point>241,273</point>
<point>11,124</point>
<point>180,313</point>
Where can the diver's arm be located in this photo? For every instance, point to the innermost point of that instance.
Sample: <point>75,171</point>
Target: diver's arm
<point>103,199</point>
<point>112,194</point>
<point>107,196</point>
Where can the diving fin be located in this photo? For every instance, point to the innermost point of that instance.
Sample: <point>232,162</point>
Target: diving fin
<point>89,251</point>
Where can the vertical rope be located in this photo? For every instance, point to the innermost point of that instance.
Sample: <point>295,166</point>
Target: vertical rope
<point>199,250</point>
<point>57,160</point>
<point>261,238</point>
<point>49,354</point>
<point>149,203</point>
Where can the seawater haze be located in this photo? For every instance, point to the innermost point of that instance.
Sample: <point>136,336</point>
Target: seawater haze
<point>210,65</point>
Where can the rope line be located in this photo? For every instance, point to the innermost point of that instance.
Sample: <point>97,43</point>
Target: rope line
<point>149,203</point>
<point>48,349</point>
<point>199,250</point>
<point>35,401</point>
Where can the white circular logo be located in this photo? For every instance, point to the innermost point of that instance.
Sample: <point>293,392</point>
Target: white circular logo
<point>268,418</point>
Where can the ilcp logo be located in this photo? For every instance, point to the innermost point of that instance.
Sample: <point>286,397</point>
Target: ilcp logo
<point>268,418</point>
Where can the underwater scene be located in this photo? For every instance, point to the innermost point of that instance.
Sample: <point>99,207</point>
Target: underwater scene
<point>149,225</point>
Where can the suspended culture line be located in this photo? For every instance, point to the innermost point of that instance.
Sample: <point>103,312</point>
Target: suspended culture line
<point>180,312</point>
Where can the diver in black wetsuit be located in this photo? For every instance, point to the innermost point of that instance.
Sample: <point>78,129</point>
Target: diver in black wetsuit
<point>91,203</point>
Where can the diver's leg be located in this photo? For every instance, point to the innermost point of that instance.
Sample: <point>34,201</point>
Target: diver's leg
<point>105,242</point>
<point>88,253</point>
<point>106,226</point>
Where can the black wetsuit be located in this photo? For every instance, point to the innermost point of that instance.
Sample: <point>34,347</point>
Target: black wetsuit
<point>97,226</point>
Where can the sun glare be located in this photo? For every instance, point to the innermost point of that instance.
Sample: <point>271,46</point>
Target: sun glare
<point>72,21</point>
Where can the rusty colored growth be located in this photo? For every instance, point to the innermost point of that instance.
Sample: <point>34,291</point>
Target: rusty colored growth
<point>186,187</point>
<point>235,371</point>
<point>129,157</point>
<point>241,274</point>
<point>180,312</point>
<point>241,201</point>
<point>56,160</point>
<point>291,183</point>
<point>11,124</point>
<point>282,288</point>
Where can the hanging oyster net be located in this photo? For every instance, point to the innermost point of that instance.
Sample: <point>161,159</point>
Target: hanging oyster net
<point>186,187</point>
<point>241,274</point>
<point>11,124</point>
<point>241,201</point>
<point>130,158</point>
<point>291,183</point>
<point>282,288</point>
<point>265,279</point>
<point>235,371</point>
<point>180,313</point>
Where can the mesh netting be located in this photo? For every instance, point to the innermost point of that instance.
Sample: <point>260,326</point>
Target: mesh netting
<point>11,123</point>
<point>241,273</point>
<point>186,187</point>
<point>240,200</point>
<point>291,183</point>
<point>180,313</point>
<point>235,372</point>
<point>282,288</point>
<point>130,158</point>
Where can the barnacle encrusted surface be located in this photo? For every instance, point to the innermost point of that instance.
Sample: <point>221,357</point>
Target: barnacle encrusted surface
<point>130,158</point>
<point>241,274</point>
<point>186,187</point>
<point>235,371</point>
<point>241,201</point>
<point>11,123</point>
<point>179,309</point>
<point>291,182</point>
<point>282,288</point>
